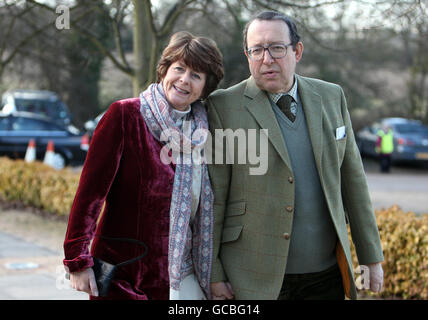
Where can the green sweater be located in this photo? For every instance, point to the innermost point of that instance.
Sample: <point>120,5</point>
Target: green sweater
<point>313,237</point>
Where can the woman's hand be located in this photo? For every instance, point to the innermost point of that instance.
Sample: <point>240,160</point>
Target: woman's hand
<point>84,281</point>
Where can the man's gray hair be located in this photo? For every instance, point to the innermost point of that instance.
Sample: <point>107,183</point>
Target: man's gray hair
<point>274,15</point>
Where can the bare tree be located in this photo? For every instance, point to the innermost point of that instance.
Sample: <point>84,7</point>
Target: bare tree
<point>338,50</point>
<point>149,35</point>
<point>415,38</point>
<point>20,24</point>
<point>151,29</point>
<point>409,22</point>
<point>14,17</point>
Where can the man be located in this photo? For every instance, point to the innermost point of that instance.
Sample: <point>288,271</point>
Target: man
<point>283,234</point>
<point>385,147</point>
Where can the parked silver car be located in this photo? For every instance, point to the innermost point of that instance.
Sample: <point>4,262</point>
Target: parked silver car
<point>410,139</point>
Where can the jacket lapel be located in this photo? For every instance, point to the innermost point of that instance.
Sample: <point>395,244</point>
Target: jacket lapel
<point>313,108</point>
<point>259,106</point>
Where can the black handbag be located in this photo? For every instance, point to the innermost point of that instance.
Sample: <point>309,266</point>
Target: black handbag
<point>104,271</point>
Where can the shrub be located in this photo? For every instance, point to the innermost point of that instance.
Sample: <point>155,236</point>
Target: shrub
<point>37,185</point>
<point>404,238</point>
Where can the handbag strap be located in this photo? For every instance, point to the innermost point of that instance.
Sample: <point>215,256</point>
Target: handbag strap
<point>131,241</point>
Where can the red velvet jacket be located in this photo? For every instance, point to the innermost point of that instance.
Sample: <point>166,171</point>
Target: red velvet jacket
<point>123,168</point>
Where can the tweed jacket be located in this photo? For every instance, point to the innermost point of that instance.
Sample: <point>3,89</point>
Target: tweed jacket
<point>253,214</point>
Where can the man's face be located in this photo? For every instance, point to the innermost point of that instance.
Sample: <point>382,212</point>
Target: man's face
<point>272,75</point>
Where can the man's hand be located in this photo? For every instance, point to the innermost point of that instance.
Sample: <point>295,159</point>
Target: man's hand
<point>376,276</point>
<point>84,281</point>
<point>222,291</point>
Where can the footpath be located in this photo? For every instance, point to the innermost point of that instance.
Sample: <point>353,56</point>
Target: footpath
<point>31,259</point>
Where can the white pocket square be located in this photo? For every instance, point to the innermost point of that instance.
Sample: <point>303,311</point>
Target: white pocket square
<point>340,133</point>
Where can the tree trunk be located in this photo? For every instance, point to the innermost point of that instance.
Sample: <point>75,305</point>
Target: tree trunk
<point>144,43</point>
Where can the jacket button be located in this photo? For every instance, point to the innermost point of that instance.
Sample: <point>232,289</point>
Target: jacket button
<point>290,179</point>
<point>286,236</point>
<point>289,208</point>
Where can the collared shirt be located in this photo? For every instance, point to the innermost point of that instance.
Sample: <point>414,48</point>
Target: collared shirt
<point>293,93</point>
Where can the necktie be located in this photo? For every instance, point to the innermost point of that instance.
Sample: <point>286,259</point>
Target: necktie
<point>284,103</point>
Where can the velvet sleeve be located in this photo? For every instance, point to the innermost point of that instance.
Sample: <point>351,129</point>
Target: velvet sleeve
<point>98,174</point>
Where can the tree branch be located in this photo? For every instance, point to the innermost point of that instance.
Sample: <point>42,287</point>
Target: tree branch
<point>23,43</point>
<point>117,37</point>
<point>123,67</point>
<point>150,16</point>
<point>172,17</point>
<point>232,12</point>
<point>295,5</point>
<point>10,28</point>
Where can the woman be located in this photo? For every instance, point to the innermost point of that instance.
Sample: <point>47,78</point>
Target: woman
<point>167,205</point>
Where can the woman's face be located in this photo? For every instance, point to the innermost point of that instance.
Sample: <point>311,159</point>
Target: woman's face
<point>182,85</point>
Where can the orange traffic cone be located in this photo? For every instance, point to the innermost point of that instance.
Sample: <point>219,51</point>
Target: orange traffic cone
<point>30,154</point>
<point>49,155</point>
<point>84,143</point>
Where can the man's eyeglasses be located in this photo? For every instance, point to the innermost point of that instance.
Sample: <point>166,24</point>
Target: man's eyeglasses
<point>276,51</point>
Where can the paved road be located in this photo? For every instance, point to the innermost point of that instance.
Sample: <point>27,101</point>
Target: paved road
<point>410,193</point>
<point>45,281</point>
<point>405,186</point>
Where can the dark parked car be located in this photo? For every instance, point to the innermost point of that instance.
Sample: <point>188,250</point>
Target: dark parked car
<point>41,102</point>
<point>16,130</point>
<point>410,139</point>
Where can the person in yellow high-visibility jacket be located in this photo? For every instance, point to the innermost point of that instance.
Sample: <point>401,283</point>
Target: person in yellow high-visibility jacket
<point>385,147</point>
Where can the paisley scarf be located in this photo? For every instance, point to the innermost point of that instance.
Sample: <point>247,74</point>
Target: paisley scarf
<point>190,248</point>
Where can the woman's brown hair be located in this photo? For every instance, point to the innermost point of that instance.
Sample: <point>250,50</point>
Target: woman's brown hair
<point>199,53</point>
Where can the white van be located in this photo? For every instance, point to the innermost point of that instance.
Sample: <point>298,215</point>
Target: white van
<point>43,102</point>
